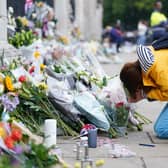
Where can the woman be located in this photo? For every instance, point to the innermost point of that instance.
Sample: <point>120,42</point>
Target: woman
<point>148,78</point>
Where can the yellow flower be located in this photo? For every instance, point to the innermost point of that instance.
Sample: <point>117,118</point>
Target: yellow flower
<point>1,79</point>
<point>2,132</point>
<point>64,39</point>
<point>42,67</point>
<point>43,86</point>
<point>23,20</point>
<point>40,4</point>
<point>36,54</point>
<point>9,84</point>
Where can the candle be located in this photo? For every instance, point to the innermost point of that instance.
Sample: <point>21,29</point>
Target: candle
<point>50,132</point>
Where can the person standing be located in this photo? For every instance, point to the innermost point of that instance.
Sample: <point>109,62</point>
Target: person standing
<point>157,18</point>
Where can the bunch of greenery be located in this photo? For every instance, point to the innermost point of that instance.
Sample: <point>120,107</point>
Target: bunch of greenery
<point>35,107</point>
<point>23,38</point>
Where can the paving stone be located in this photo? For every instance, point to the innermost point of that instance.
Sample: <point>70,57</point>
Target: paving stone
<point>159,162</point>
<point>115,163</point>
<point>156,140</point>
<point>135,137</point>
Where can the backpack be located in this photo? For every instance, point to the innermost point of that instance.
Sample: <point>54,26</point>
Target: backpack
<point>161,43</point>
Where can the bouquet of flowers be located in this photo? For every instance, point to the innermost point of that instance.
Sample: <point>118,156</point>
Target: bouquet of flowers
<point>121,114</point>
<point>17,150</point>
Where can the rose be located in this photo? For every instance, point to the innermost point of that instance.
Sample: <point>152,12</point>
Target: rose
<point>16,135</point>
<point>9,142</point>
<point>22,78</point>
<point>31,70</point>
<point>120,104</point>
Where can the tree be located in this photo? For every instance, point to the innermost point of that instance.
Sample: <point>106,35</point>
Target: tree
<point>129,12</point>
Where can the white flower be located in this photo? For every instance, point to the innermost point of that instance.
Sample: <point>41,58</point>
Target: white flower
<point>11,10</point>
<point>2,88</point>
<point>34,15</point>
<point>17,85</point>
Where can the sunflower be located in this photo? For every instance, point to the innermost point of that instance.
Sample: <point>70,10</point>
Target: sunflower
<point>9,84</point>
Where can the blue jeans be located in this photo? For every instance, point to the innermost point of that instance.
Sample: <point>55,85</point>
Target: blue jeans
<point>161,125</point>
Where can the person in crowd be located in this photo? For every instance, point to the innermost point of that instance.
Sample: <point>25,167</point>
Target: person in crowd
<point>158,21</point>
<point>142,30</point>
<point>117,35</point>
<point>157,18</point>
<point>114,36</point>
<point>147,78</point>
<point>111,42</point>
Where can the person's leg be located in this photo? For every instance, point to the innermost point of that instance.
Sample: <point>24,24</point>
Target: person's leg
<point>161,125</point>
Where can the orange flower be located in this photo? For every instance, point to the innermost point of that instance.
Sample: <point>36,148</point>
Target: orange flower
<point>9,84</point>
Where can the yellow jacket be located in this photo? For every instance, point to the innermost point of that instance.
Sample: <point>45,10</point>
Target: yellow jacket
<point>157,75</point>
<point>157,18</point>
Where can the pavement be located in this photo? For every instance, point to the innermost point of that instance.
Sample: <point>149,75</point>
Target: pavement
<point>146,156</point>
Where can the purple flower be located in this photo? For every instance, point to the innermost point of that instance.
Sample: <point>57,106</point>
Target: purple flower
<point>9,102</point>
<point>18,149</point>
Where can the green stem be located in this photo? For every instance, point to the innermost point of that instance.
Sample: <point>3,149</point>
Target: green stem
<point>145,119</point>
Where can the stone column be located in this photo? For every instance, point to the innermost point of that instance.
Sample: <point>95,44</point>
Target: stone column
<point>3,20</point>
<point>62,14</point>
<point>99,22</point>
<point>7,51</point>
<point>79,10</point>
<point>89,18</point>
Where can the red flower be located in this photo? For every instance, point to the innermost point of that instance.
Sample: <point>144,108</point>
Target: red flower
<point>120,104</point>
<point>88,126</point>
<point>31,70</point>
<point>22,78</point>
<point>16,134</point>
<point>9,142</point>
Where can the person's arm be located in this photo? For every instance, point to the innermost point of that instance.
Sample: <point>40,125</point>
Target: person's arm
<point>158,94</point>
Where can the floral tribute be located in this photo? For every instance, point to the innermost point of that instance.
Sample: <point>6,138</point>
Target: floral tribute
<point>17,150</point>
<point>121,114</point>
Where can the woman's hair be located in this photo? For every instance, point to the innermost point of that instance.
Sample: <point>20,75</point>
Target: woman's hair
<point>131,76</point>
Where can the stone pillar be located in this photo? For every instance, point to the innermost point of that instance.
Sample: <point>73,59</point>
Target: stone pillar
<point>3,20</point>
<point>99,22</point>
<point>61,8</point>
<point>89,18</point>
<point>79,10</point>
<point>7,51</point>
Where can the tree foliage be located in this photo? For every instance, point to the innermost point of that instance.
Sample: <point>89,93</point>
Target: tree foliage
<point>129,12</point>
